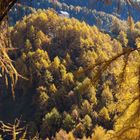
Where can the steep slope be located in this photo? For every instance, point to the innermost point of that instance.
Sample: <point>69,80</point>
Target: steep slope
<point>71,86</point>
<point>87,6</point>
<point>92,16</point>
<point>111,8</point>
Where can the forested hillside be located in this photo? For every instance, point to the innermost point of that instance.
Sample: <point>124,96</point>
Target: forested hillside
<point>63,78</point>
<point>111,8</point>
<point>70,88</point>
<point>93,13</point>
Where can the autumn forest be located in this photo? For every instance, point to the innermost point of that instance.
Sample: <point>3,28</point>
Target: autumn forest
<point>69,70</point>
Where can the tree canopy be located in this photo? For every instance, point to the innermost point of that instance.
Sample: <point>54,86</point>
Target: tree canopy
<point>80,82</point>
